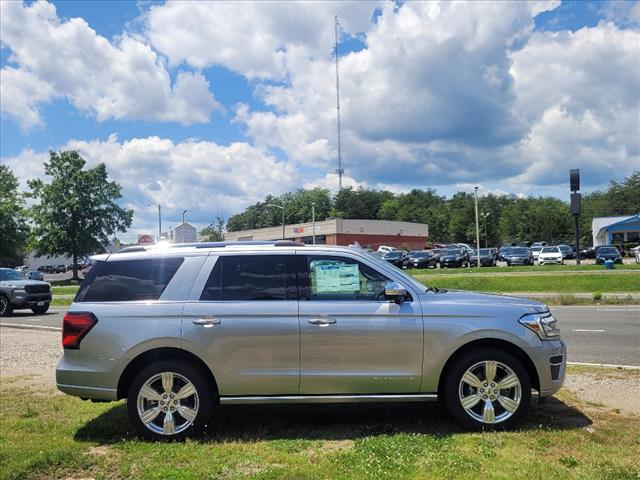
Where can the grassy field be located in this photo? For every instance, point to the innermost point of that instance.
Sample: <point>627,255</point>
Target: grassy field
<point>55,436</point>
<point>552,283</point>
<point>529,269</point>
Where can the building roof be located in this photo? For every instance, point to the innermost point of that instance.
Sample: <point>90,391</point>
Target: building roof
<point>604,223</point>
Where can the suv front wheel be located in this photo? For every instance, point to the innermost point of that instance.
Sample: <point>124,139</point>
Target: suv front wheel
<point>6,309</point>
<point>488,389</point>
<point>170,400</point>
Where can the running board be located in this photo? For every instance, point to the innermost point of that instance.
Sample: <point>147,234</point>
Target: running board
<point>279,399</point>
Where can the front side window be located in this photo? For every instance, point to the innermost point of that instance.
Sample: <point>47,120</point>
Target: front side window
<point>250,278</point>
<point>130,280</point>
<point>340,278</point>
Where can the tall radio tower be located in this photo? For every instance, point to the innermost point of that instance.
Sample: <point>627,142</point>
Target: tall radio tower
<point>340,170</point>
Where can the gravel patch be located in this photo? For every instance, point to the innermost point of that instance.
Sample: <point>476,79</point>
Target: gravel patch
<point>29,353</point>
<point>617,393</point>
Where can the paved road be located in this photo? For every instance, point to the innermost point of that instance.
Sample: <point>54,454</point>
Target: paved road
<point>593,334</point>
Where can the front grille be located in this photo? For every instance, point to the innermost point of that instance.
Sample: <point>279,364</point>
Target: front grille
<point>37,288</point>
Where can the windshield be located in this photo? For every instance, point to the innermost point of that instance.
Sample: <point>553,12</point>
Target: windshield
<point>417,254</point>
<point>565,248</point>
<point>550,250</point>
<point>535,249</point>
<point>485,251</point>
<point>519,251</point>
<point>608,250</point>
<point>393,255</point>
<point>452,251</point>
<point>7,274</point>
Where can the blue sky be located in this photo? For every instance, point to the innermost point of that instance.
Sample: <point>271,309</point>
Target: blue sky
<point>212,106</point>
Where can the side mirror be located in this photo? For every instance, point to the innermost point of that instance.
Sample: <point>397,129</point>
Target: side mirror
<point>395,292</point>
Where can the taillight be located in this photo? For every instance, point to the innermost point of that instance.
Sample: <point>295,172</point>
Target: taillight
<point>75,326</point>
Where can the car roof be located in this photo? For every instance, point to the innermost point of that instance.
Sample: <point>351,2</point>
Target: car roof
<point>205,248</point>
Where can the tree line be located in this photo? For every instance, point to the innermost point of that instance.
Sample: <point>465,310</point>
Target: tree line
<point>503,218</point>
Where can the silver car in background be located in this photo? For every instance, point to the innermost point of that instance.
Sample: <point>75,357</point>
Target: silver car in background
<point>180,330</point>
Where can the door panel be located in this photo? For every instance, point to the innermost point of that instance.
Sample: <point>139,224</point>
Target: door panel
<point>358,346</point>
<point>251,341</point>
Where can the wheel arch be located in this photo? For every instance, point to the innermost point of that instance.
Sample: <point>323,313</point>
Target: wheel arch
<point>162,353</point>
<point>499,344</point>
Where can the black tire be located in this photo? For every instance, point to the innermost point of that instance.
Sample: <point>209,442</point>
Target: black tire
<point>453,381</point>
<point>205,392</point>
<point>6,309</point>
<point>40,310</point>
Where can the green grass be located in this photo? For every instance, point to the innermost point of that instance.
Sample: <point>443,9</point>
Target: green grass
<point>554,284</point>
<point>55,436</point>
<point>68,290</point>
<point>527,268</point>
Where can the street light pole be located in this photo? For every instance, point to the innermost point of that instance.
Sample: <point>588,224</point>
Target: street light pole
<point>159,220</point>
<point>484,216</point>
<point>313,221</point>
<point>282,208</point>
<point>182,229</point>
<point>477,227</point>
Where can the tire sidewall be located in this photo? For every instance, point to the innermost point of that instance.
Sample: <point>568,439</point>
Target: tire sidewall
<point>8,308</point>
<point>194,374</point>
<point>455,375</point>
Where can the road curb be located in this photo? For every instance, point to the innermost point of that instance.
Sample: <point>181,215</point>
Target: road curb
<point>605,365</point>
<point>24,326</point>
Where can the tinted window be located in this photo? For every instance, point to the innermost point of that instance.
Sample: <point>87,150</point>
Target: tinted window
<point>519,251</point>
<point>128,280</point>
<point>453,251</point>
<point>550,250</point>
<point>608,251</point>
<point>7,274</point>
<point>251,277</point>
<point>485,251</point>
<point>340,278</point>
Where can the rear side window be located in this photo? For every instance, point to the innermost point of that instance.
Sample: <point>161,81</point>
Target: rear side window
<point>123,281</point>
<point>251,277</point>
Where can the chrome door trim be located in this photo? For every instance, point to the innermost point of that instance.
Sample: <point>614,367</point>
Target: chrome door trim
<point>306,399</point>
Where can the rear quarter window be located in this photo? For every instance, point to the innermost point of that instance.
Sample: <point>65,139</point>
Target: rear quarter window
<point>130,280</point>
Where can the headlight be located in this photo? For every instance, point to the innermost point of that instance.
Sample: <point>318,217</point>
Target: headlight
<point>544,325</point>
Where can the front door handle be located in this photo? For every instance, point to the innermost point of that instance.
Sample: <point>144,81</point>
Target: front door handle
<point>206,321</point>
<point>323,322</point>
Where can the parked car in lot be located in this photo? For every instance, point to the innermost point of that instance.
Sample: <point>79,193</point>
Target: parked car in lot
<point>539,244</point>
<point>287,323</point>
<point>35,275</point>
<point>454,257</point>
<point>550,255</point>
<point>567,252</point>
<point>535,251</point>
<point>18,292</point>
<point>384,249</point>
<point>486,258</point>
<point>518,256</point>
<point>60,269</point>
<point>608,253</point>
<point>638,255</point>
<point>395,258</point>
<point>421,259</point>
<point>504,252</point>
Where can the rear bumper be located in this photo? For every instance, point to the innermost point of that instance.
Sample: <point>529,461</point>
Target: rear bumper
<point>94,393</point>
<point>93,378</point>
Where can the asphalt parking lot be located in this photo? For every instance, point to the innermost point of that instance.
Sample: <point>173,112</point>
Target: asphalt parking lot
<point>607,334</point>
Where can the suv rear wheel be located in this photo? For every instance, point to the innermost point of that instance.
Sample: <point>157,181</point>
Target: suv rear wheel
<point>6,309</point>
<point>170,400</point>
<point>488,389</point>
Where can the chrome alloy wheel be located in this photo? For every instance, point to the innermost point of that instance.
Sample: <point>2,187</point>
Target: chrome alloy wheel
<point>490,392</point>
<point>167,403</point>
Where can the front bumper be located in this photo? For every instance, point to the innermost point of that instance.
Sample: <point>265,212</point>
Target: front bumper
<point>28,300</point>
<point>550,260</point>
<point>450,263</point>
<point>550,359</point>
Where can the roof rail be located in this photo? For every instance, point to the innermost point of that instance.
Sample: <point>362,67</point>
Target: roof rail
<point>275,243</point>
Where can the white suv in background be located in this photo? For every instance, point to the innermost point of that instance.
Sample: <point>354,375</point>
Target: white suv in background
<point>384,249</point>
<point>550,255</point>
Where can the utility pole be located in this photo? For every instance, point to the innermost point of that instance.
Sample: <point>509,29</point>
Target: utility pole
<point>576,205</point>
<point>159,220</point>
<point>340,170</point>
<point>282,208</point>
<point>182,229</point>
<point>477,227</point>
<point>485,215</point>
<point>313,221</point>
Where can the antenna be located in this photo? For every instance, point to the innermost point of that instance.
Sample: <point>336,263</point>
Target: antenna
<point>340,170</point>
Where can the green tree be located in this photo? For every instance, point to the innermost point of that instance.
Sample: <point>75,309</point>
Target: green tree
<point>13,224</point>
<point>214,231</point>
<point>76,212</point>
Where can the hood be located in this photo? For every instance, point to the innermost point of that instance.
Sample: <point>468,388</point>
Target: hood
<point>459,302</point>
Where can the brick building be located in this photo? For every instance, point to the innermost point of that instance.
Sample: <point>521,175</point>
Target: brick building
<point>338,231</point>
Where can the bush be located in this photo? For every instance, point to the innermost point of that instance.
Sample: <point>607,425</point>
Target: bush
<point>597,296</point>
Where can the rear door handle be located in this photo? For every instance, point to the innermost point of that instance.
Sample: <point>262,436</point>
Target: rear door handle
<point>206,321</point>
<point>323,322</point>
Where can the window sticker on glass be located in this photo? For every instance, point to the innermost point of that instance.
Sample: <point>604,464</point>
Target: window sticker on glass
<point>335,277</point>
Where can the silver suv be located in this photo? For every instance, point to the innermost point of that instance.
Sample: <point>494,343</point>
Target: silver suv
<point>179,330</point>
